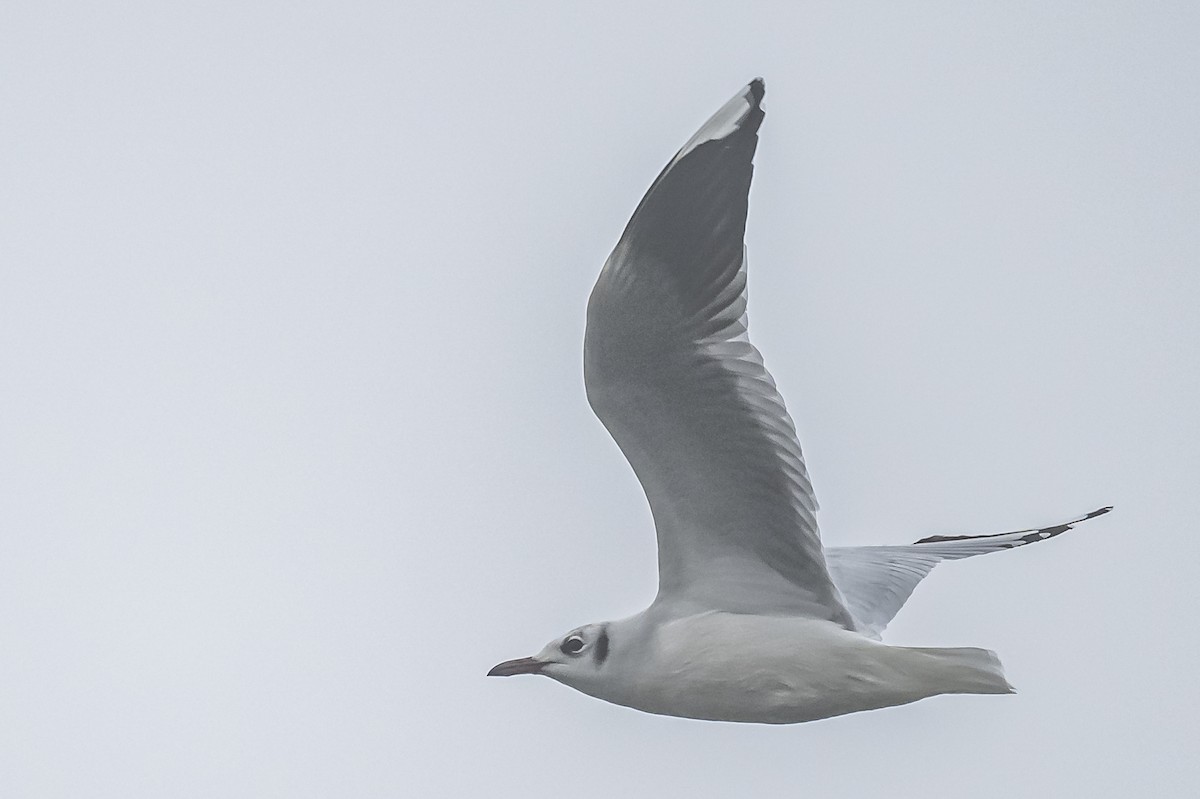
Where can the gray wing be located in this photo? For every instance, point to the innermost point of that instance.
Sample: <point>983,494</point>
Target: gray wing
<point>877,581</point>
<point>672,375</point>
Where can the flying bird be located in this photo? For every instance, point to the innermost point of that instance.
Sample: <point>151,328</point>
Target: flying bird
<point>754,620</point>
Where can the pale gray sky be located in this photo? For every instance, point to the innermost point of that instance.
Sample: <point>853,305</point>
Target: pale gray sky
<point>295,445</point>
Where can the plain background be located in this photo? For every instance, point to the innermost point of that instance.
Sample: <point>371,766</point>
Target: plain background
<point>293,438</point>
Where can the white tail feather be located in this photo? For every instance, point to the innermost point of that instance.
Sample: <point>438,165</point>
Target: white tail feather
<point>968,669</point>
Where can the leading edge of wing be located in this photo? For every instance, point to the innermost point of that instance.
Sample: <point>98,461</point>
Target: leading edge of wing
<point>671,373</point>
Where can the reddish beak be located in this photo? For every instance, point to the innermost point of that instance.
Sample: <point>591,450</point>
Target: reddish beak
<point>519,666</point>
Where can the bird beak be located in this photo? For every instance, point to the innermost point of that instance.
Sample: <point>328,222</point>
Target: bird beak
<point>519,666</point>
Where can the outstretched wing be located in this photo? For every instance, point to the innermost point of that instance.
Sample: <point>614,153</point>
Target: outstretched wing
<point>877,581</point>
<point>671,373</point>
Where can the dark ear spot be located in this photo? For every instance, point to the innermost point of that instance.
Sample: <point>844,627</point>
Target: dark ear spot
<point>602,646</point>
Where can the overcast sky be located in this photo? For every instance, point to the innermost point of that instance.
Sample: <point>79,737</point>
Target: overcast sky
<point>293,438</point>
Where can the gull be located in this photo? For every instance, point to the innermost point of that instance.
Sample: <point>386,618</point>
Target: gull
<point>754,620</point>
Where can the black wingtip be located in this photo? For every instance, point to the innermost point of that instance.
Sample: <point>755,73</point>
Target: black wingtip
<point>1034,534</point>
<point>758,88</point>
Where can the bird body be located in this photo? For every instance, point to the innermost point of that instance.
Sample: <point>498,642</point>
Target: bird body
<point>724,666</point>
<point>755,620</point>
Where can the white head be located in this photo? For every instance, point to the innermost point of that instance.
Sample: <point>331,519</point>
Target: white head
<point>575,659</point>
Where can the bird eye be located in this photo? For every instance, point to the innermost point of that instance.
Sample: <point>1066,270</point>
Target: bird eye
<point>573,645</point>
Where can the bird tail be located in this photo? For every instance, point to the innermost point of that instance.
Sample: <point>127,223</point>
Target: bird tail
<point>966,670</point>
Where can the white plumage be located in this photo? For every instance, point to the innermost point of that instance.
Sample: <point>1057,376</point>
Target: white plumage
<point>754,620</point>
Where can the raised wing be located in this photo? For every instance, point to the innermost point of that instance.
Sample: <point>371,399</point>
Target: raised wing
<point>672,375</point>
<point>877,581</point>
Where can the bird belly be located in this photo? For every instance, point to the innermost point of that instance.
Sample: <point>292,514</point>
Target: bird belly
<point>773,670</point>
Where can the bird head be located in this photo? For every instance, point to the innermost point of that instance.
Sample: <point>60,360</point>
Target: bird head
<point>569,659</point>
